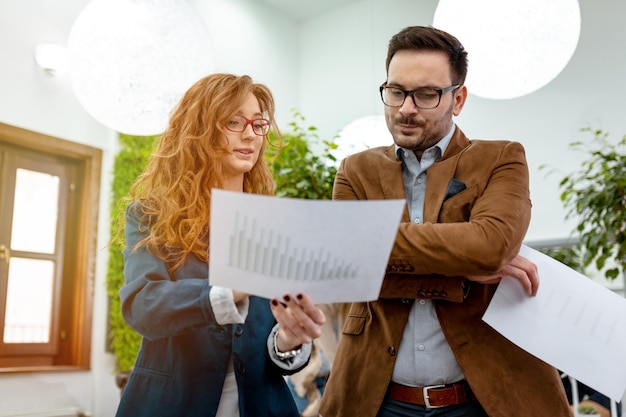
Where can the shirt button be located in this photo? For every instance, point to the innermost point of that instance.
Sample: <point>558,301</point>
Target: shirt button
<point>406,154</point>
<point>417,220</point>
<point>421,347</point>
<point>422,302</point>
<point>419,181</point>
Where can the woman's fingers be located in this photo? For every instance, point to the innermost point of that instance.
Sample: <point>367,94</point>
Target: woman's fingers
<point>310,309</point>
<point>300,320</point>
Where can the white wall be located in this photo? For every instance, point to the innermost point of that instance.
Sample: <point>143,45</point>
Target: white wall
<point>250,38</point>
<point>34,100</point>
<point>302,63</point>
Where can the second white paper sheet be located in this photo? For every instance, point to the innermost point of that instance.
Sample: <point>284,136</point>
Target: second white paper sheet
<point>334,251</point>
<point>573,323</point>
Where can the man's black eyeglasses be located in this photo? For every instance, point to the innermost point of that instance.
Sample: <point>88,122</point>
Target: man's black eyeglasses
<point>423,97</point>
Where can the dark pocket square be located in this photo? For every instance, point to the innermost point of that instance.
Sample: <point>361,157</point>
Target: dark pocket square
<point>454,187</point>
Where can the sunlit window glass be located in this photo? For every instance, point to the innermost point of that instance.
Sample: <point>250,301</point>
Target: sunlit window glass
<point>35,211</point>
<point>29,301</point>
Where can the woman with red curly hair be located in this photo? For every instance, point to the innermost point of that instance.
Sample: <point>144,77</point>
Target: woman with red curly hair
<point>206,350</point>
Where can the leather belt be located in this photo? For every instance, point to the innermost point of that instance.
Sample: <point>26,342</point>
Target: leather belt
<point>433,396</point>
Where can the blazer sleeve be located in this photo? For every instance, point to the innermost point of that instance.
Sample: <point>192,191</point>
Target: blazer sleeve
<point>479,230</point>
<point>153,303</point>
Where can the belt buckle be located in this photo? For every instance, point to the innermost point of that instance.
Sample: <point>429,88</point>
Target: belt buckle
<point>427,398</point>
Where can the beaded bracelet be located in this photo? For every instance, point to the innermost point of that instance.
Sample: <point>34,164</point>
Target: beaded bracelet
<point>285,355</point>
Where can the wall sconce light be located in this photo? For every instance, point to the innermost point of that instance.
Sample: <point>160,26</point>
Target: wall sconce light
<point>52,58</point>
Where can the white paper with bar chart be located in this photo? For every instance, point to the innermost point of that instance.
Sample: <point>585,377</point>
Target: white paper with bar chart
<point>334,251</point>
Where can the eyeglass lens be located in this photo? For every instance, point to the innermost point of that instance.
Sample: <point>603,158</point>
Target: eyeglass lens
<point>424,98</point>
<point>239,123</point>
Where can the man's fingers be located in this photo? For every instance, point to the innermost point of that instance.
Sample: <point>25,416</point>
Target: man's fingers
<point>520,269</point>
<point>529,271</point>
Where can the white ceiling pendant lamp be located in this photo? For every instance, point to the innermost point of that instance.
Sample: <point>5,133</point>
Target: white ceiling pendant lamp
<point>514,47</point>
<point>361,134</point>
<point>130,61</point>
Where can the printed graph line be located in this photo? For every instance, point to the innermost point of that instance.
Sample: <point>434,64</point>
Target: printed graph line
<point>255,249</point>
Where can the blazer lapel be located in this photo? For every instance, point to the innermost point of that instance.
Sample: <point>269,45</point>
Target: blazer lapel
<point>390,179</point>
<point>439,175</point>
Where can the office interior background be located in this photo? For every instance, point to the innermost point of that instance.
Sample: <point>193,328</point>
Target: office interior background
<point>325,59</point>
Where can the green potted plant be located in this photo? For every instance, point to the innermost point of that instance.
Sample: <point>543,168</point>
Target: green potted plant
<point>586,410</point>
<point>595,195</point>
<point>305,166</point>
<point>568,255</point>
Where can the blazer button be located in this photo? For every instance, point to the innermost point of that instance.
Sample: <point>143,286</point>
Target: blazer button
<point>238,330</point>
<point>392,350</point>
<point>241,369</point>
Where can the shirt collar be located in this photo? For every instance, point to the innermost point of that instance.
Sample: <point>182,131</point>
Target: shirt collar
<point>442,145</point>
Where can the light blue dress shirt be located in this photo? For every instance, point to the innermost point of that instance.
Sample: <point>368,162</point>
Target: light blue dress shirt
<point>424,356</point>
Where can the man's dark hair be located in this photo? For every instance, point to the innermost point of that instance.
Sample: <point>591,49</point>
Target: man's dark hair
<point>426,38</point>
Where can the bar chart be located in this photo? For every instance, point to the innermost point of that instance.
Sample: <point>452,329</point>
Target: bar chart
<point>253,248</point>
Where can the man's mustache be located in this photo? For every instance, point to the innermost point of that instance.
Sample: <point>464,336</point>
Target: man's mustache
<point>407,121</point>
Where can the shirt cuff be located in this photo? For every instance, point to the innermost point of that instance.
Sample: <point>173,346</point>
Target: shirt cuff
<point>225,310</point>
<point>296,362</point>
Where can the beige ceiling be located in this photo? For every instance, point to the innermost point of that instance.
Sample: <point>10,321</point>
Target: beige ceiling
<point>305,9</point>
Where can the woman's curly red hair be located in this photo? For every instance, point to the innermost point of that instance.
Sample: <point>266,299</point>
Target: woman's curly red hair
<point>173,193</point>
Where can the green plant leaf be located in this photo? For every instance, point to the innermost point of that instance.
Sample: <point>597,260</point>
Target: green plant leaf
<point>595,195</point>
<point>305,167</point>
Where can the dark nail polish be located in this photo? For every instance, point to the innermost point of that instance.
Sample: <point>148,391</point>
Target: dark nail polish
<point>287,298</point>
<point>299,296</point>
<point>275,303</point>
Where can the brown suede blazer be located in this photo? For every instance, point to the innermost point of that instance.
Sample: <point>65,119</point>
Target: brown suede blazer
<point>474,232</point>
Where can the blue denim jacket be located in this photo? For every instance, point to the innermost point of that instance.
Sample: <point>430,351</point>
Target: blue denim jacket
<point>184,355</point>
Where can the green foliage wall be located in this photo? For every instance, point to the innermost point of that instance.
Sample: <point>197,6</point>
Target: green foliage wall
<point>299,170</point>
<point>129,163</point>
